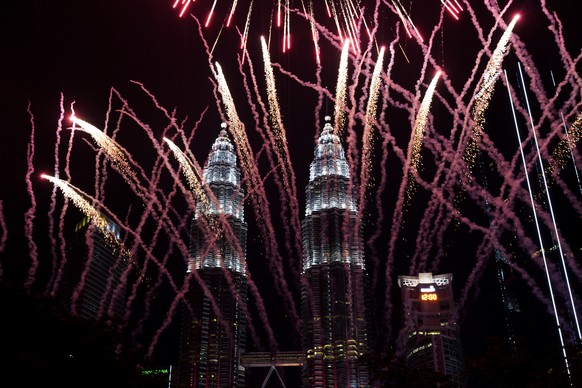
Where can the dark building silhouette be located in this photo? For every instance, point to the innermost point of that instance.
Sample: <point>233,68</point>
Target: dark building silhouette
<point>91,284</point>
<point>213,332</point>
<point>334,303</point>
<point>430,335</point>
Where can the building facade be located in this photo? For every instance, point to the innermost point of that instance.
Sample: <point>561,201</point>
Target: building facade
<point>92,283</point>
<point>431,338</point>
<point>213,333</point>
<point>334,303</point>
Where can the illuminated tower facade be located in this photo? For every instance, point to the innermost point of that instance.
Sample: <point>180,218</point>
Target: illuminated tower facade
<point>334,302</point>
<point>213,333</point>
<point>431,336</point>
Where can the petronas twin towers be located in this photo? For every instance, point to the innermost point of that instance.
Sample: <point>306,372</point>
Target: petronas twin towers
<point>333,298</point>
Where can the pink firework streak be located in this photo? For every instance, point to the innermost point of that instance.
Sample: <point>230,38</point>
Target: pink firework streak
<point>30,213</point>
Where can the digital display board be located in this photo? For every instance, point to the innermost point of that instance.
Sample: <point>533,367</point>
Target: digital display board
<point>429,296</point>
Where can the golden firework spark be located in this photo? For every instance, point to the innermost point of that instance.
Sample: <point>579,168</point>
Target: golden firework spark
<point>113,150</point>
<point>340,90</point>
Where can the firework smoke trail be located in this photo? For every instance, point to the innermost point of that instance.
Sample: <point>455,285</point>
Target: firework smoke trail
<point>279,142</point>
<point>386,139</point>
<point>420,125</point>
<point>153,240</point>
<point>340,90</point>
<point>571,143</point>
<point>63,251</point>
<point>409,171</point>
<point>483,95</point>
<point>500,201</point>
<point>314,34</point>
<point>548,197</point>
<point>176,184</point>
<point>179,242</point>
<point>257,195</point>
<point>521,52</point>
<point>532,202</point>
<point>51,226</point>
<point>267,139</point>
<point>411,165</point>
<point>99,221</point>
<point>72,193</point>
<point>151,290</point>
<point>30,213</point>
<point>560,43</point>
<point>4,235</point>
<point>571,79</point>
<point>367,137</point>
<point>280,146</point>
<point>148,209</point>
<point>113,150</point>
<point>173,232</point>
<point>188,169</point>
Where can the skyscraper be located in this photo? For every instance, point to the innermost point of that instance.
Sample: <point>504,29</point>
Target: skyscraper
<point>431,336</point>
<point>213,332</point>
<point>92,275</point>
<point>334,303</point>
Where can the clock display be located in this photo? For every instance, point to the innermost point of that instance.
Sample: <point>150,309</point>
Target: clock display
<point>429,296</point>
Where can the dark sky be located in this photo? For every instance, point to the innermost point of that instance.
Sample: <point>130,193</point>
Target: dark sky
<point>81,49</point>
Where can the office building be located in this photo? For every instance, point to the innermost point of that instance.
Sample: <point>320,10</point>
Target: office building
<point>430,335</point>
<point>213,332</point>
<point>92,282</point>
<point>334,303</point>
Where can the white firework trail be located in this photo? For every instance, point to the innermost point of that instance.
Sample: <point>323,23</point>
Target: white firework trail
<point>111,148</point>
<point>542,250</point>
<point>72,193</point>
<point>340,90</point>
<point>492,71</point>
<point>371,109</point>
<point>557,234</point>
<point>188,168</point>
<point>420,125</point>
<point>484,93</point>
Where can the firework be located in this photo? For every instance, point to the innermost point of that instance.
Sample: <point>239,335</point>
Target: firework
<point>340,90</point>
<point>113,150</point>
<point>448,209</point>
<point>188,168</point>
<point>420,125</point>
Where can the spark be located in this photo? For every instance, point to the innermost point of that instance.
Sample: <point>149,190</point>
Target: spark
<point>572,140</point>
<point>185,5</point>
<point>188,168</point>
<point>485,91</point>
<point>281,148</point>
<point>564,149</point>
<point>111,148</point>
<point>420,125</point>
<point>210,14</point>
<point>314,34</point>
<point>340,90</point>
<point>73,193</point>
<point>370,118</point>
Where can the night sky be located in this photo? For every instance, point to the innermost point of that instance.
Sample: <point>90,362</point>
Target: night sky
<point>80,50</point>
